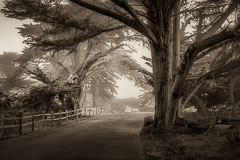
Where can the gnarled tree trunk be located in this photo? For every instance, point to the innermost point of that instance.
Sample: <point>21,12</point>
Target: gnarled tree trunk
<point>77,93</point>
<point>162,61</point>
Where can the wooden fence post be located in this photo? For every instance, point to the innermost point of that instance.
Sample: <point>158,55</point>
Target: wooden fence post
<point>2,125</point>
<point>20,123</point>
<point>43,119</point>
<point>76,112</point>
<point>70,113</point>
<point>80,113</point>
<point>33,121</point>
<point>66,114</point>
<point>96,110</point>
<point>60,117</point>
<point>101,109</point>
<point>52,117</point>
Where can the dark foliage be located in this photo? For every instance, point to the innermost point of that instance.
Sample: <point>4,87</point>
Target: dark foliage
<point>4,101</point>
<point>148,121</point>
<point>40,98</point>
<point>234,136</point>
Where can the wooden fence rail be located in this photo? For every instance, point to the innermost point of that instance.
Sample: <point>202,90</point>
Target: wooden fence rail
<point>39,121</point>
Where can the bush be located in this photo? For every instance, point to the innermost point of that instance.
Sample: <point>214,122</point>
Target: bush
<point>148,120</point>
<point>233,136</point>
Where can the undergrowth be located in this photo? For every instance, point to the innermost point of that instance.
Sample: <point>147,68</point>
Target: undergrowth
<point>178,143</point>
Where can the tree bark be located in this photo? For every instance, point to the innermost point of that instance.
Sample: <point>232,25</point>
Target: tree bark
<point>176,39</point>
<point>160,68</point>
<point>175,105</point>
<point>162,61</point>
<point>231,89</point>
<point>77,94</point>
<point>83,98</point>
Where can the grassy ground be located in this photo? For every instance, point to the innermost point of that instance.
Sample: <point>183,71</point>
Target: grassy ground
<point>171,145</point>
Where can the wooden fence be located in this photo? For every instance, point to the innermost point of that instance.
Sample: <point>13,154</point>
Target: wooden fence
<point>22,124</point>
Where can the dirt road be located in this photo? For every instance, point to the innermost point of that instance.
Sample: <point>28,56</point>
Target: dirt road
<point>105,137</point>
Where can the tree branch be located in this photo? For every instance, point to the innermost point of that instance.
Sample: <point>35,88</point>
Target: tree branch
<point>209,50</point>
<point>68,43</point>
<point>84,59</point>
<point>134,14</point>
<point>94,59</point>
<point>220,21</point>
<point>54,60</point>
<point>192,53</point>
<point>127,21</point>
<point>222,69</point>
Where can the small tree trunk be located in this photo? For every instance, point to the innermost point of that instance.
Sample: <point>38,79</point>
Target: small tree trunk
<point>180,109</point>
<point>2,125</point>
<point>83,98</point>
<point>77,94</point>
<point>176,39</point>
<point>231,89</point>
<point>33,121</point>
<point>94,93</point>
<point>174,59</point>
<point>20,130</point>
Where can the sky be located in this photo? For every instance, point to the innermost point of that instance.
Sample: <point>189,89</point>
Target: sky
<point>11,41</point>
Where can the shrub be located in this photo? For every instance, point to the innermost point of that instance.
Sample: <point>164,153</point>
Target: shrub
<point>234,136</point>
<point>148,120</point>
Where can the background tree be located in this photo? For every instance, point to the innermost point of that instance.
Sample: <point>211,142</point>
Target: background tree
<point>11,74</point>
<point>52,35</point>
<point>105,73</point>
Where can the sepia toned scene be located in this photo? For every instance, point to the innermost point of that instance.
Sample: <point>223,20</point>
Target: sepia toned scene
<point>119,79</point>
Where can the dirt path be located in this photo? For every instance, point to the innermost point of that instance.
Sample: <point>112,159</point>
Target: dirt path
<point>105,137</point>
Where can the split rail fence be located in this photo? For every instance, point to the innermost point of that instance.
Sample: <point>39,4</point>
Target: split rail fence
<point>22,124</point>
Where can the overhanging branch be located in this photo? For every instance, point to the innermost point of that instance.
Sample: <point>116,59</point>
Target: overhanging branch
<point>220,21</point>
<point>87,66</point>
<point>192,53</point>
<point>127,21</point>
